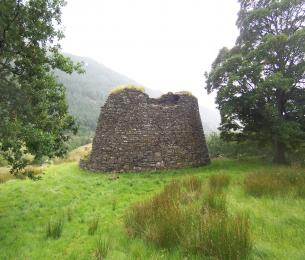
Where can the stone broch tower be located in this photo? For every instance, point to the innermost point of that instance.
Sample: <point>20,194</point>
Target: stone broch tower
<point>138,133</point>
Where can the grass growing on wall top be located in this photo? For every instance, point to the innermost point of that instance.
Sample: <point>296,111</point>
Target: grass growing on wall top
<point>92,208</point>
<point>121,88</point>
<point>185,92</point>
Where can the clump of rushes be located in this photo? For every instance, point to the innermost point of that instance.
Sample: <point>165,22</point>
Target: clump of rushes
<point>199,225</point>
<point>54,228</point>
<point>192,184</point>
<point>278,182</point>
<point>219,182</point>
<point>214,202</point>
<point>93,225</point>
<point>221,237</point>
<point>102,248</point>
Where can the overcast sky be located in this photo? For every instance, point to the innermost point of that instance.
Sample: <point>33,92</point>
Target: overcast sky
<point>162,44</point>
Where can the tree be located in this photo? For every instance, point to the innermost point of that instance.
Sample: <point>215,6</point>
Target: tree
<point>260,82</point>
<point>33,109</point>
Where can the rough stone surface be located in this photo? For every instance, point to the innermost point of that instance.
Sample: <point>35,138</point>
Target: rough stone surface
<point>139,133</point>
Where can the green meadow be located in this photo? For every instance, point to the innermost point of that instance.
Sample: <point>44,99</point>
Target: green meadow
<point>88,210</point>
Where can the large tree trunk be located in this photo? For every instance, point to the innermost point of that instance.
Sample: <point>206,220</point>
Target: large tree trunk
<point>280,147</point>
<point>279,153</point>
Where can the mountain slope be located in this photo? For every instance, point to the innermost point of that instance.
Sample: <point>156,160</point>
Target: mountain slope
<point>87,92</point>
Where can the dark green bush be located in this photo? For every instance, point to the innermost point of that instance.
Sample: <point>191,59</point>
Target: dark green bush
<point>232,149</point>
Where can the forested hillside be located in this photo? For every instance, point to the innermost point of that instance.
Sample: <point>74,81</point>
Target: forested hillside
<point>87,92</point>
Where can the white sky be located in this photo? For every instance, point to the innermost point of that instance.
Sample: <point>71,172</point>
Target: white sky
<point>162,44</point>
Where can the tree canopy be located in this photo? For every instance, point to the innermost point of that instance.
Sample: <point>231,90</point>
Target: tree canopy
<point>260,82</point>
<point>33,109</point>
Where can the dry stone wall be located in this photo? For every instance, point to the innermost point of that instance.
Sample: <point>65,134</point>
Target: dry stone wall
<point>138,133</point>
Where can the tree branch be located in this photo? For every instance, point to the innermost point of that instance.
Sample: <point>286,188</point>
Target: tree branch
<point>6,29</point>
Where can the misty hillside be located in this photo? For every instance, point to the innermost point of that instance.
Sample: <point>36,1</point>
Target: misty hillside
<point>87,92</point>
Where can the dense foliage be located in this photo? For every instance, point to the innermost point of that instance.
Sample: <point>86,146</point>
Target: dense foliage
<point>260,82</point>
<point>233,149</point>
<point>33,110</point>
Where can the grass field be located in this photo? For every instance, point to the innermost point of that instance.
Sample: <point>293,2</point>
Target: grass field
<point>84,201</point>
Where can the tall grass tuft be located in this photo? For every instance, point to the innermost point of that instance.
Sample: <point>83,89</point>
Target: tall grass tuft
<point>114,204</point>
<point>69,213</point>
<point>214,202</point>
<point>102,248</point>
<point>219,182</point>
<point>93,225</point>
<point>221,237</point>
<point>5,177</point>
<point>151,221</point>
<point>279,182</point>
<point>54,228</point>
<point>199,225</point>
<point>192,184</point>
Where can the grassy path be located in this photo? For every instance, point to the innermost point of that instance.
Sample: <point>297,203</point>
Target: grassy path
<point>278,225</point>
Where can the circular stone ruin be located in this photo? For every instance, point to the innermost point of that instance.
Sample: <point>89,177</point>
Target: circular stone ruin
<point>139,133</point>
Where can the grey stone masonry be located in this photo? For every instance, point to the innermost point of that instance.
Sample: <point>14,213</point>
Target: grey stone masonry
<point>139,133</point>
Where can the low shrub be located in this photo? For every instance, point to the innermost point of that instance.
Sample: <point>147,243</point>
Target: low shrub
<point>199,224</point>
<point>102,248</point>
<point>93,225</point>
<point>32,176</point>
<point>54,228</point>
<point>219,182</point>
<point>279,182</point>
<point>233,149</point>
